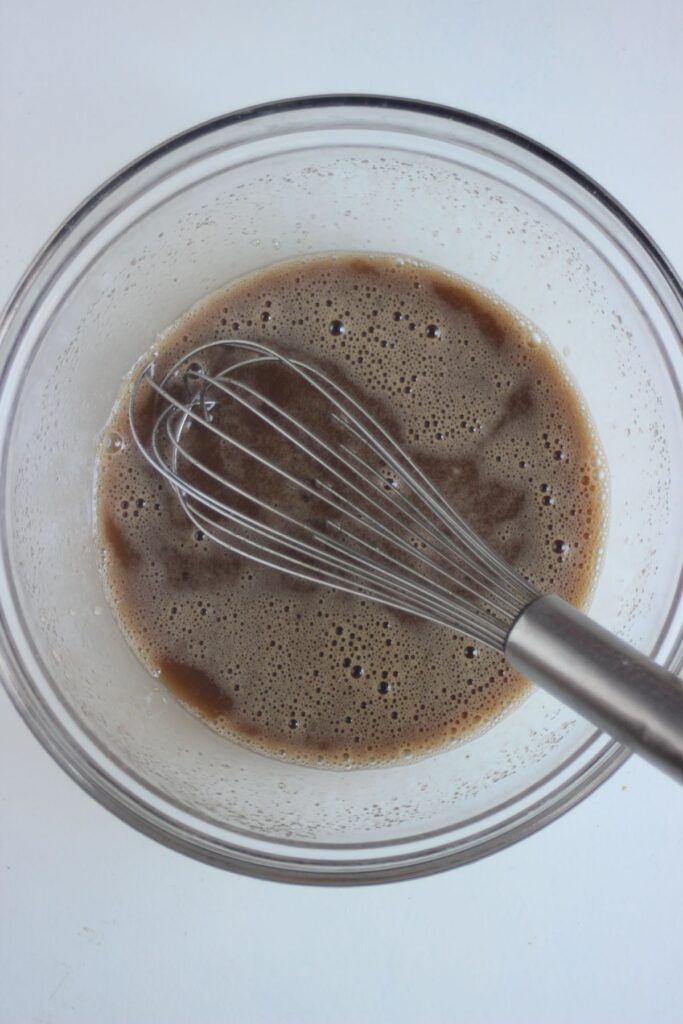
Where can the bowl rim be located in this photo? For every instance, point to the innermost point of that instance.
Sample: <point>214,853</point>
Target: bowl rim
<point>159,825</point>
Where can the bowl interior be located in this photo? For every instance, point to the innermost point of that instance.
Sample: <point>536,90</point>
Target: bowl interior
<point>236,199</point>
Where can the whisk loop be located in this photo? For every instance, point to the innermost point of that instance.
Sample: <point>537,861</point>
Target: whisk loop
<point>389,535</point>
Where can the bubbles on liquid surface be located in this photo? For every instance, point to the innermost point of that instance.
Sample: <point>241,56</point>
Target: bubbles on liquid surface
<point>306,667</point>
<point>113,442</point>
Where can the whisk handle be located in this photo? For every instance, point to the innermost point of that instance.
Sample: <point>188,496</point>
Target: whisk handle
<point>601,677</point>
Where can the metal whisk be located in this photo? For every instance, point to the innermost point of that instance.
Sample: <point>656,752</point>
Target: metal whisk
<point>321,491</point>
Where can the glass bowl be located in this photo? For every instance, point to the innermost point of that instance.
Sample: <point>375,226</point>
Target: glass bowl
<point>242,191</point>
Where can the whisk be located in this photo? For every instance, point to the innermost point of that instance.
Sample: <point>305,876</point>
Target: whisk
<point>324,493</point>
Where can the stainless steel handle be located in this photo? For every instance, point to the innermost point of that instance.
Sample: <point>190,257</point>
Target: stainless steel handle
<point>603,678</point>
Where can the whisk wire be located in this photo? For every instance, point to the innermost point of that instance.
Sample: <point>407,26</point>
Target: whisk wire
<point>322,491</point>
<point>446,602</point>
<point>446,599</point>
<point>398,541</point>
<point>500,596</point>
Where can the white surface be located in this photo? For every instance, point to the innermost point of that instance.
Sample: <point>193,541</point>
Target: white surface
<point>579,924</point>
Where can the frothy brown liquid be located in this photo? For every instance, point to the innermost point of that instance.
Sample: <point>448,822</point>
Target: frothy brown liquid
<point>484,409</point>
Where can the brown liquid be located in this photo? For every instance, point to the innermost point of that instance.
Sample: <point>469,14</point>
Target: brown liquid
<point>485,410</point>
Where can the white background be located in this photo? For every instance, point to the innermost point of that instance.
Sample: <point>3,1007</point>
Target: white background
<point>582,922</point>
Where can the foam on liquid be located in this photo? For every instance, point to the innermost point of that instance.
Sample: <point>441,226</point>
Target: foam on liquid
<point>485,409</point>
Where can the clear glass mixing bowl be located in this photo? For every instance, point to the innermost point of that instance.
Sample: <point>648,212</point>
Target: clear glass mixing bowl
<point>270,183</point>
